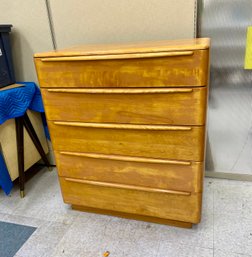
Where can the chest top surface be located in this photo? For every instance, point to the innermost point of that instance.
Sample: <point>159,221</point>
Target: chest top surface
<point>130,48</point>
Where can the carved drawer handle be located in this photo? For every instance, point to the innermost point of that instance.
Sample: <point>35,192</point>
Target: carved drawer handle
<point>129,187</point>
<point>116,56</point>
<point>126,158</point>
<point>122,91</point>
<point>122,126</point>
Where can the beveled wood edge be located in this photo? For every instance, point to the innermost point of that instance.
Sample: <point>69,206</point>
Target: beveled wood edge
<point>126,158</point>
<point>122,126</point>
<point>130,47</point>
<point>128,187</point>
<point>117,56</point>
<point>124,215</point>
<point>122,90</point>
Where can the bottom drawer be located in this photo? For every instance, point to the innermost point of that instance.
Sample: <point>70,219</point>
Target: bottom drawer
<point>174,205</point>
<point>149,172</point>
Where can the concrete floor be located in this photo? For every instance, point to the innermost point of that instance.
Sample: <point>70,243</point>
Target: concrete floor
<point>225,230</point>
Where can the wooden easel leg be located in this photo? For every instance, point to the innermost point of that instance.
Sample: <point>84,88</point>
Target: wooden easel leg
<point>35,139</point>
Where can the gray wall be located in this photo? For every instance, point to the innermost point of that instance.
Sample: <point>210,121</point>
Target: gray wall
<point>99,21</point>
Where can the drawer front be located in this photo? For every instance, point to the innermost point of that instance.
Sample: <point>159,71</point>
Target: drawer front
<point>180,106</point>
<point>188,68</point>
<point>174,205</point>
<point>148,172</point>
<point>153,141</point>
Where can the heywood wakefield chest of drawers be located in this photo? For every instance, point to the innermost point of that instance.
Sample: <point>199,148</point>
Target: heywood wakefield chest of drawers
<point>127,124</point>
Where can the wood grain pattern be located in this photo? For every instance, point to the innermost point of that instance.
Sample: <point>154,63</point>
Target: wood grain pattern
<point>129,48</point>
<point>116,56</point>
<point>119,90</point>
<point>167,206</point>
<point>166,174</point>
<point>179,71</point>
<point>127,187</point>
<point>168,144</point>
<point>175,223</point>
<point>127,124</point>
<point>126,158</point>
<point>140,106</point>
<point>121,126</point>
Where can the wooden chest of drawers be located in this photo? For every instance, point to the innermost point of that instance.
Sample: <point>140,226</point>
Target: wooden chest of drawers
<point>127,124</point>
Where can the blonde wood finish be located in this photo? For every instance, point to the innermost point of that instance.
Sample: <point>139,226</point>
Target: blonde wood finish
<point>184,106</point>
<point>129,48</point>
<point>127,123</point>
<point>146,172</point>
<point>175,223</point>
<point>116,56</point>
<point>121,90</point>
<point>121,126</point>
<point>167,144</point>
<point>167,206</point>
<point>126,158</point>
<point>177,71</point>
<point>128,187</point>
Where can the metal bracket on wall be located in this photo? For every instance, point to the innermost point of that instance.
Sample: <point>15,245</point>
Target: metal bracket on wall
<point>50,21</point>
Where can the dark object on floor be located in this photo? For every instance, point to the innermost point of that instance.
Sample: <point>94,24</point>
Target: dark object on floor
<point>12,237</point>
<point>7,76</point>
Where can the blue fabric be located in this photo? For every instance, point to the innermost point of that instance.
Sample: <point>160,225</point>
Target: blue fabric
<point>36,101</point>
<point>5,179</point>
<point>14,103</point>
<point>45,126</point>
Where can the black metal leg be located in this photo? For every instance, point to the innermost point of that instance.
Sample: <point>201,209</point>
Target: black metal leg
<point>20,150</point>
<point>35,139</point>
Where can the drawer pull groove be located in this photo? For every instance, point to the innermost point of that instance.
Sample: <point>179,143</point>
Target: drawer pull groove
<point>116,56</point>
<point>129,187</point>
<point>123,91</point>
<point>122,126</point>
<point>127,158</point>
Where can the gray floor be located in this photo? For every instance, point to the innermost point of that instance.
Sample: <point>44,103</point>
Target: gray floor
<point>225,231</point>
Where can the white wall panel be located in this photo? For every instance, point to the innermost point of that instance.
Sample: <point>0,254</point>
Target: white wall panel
<point>99,21</point>
<point>30,33</point>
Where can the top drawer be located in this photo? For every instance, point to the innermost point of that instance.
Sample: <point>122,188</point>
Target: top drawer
<point>162,69</point>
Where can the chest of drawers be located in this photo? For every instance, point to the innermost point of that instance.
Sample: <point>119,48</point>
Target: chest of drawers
<point>127,124</point>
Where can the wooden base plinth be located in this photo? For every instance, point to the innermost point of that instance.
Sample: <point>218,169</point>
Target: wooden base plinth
<point>175,223</point>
